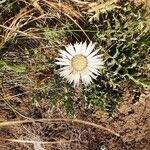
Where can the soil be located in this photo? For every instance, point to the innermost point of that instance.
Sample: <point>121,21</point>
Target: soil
<point>131,122</point>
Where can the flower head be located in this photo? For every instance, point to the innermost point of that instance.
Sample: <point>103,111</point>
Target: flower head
<point>80,62</point>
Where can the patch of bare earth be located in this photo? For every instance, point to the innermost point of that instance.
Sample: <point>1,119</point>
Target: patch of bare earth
<point>131,122</point>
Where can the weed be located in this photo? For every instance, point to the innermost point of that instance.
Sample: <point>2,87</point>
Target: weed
<point>123,38</point>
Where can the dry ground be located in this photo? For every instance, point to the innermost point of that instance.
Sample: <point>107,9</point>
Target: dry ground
<point>128,129</point>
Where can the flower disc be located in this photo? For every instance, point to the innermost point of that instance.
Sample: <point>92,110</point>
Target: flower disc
<point>79,62</point>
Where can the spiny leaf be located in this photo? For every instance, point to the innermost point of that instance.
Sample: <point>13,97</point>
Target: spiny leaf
<point>2,64</point>
<point>19,68</point>
<point>69,104</point>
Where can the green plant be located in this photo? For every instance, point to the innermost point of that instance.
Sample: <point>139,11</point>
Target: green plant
<point>34,31</point>
<point>124,39</point>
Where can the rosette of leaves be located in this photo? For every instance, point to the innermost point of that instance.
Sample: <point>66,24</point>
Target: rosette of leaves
<point>124,39</point>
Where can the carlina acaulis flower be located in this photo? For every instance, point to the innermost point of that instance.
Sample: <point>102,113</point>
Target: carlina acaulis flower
<point>79,62</point>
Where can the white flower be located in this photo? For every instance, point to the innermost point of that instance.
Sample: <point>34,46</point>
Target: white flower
<point>80,62</point>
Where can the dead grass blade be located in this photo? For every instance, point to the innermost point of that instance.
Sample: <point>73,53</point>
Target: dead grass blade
<point>37,6</point>
<point>65,9</point>
<point>17,31</point>
<point>59,120</point>
<point>102,6</point>
<point>14,25</point>
<point>79,2</point>
<point>36,142</point>
<point>79,27</point>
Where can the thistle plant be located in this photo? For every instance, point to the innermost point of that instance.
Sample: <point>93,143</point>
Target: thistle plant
<point>122,36</point>
<point>124,39</point>
<point>119,60</point>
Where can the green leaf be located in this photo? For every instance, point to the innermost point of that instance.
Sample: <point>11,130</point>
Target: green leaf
<point>2,1</point>
<point>148,65</point>
<point>20,68</point>
<point>146,82</point>
<point>2,64</point>
<point>69,104</point>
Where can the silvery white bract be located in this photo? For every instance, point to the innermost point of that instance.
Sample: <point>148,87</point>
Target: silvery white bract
<point>80,63</point>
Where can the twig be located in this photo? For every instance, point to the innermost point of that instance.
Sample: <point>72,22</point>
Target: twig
<point>33,142</point>
<point>57,120</point>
